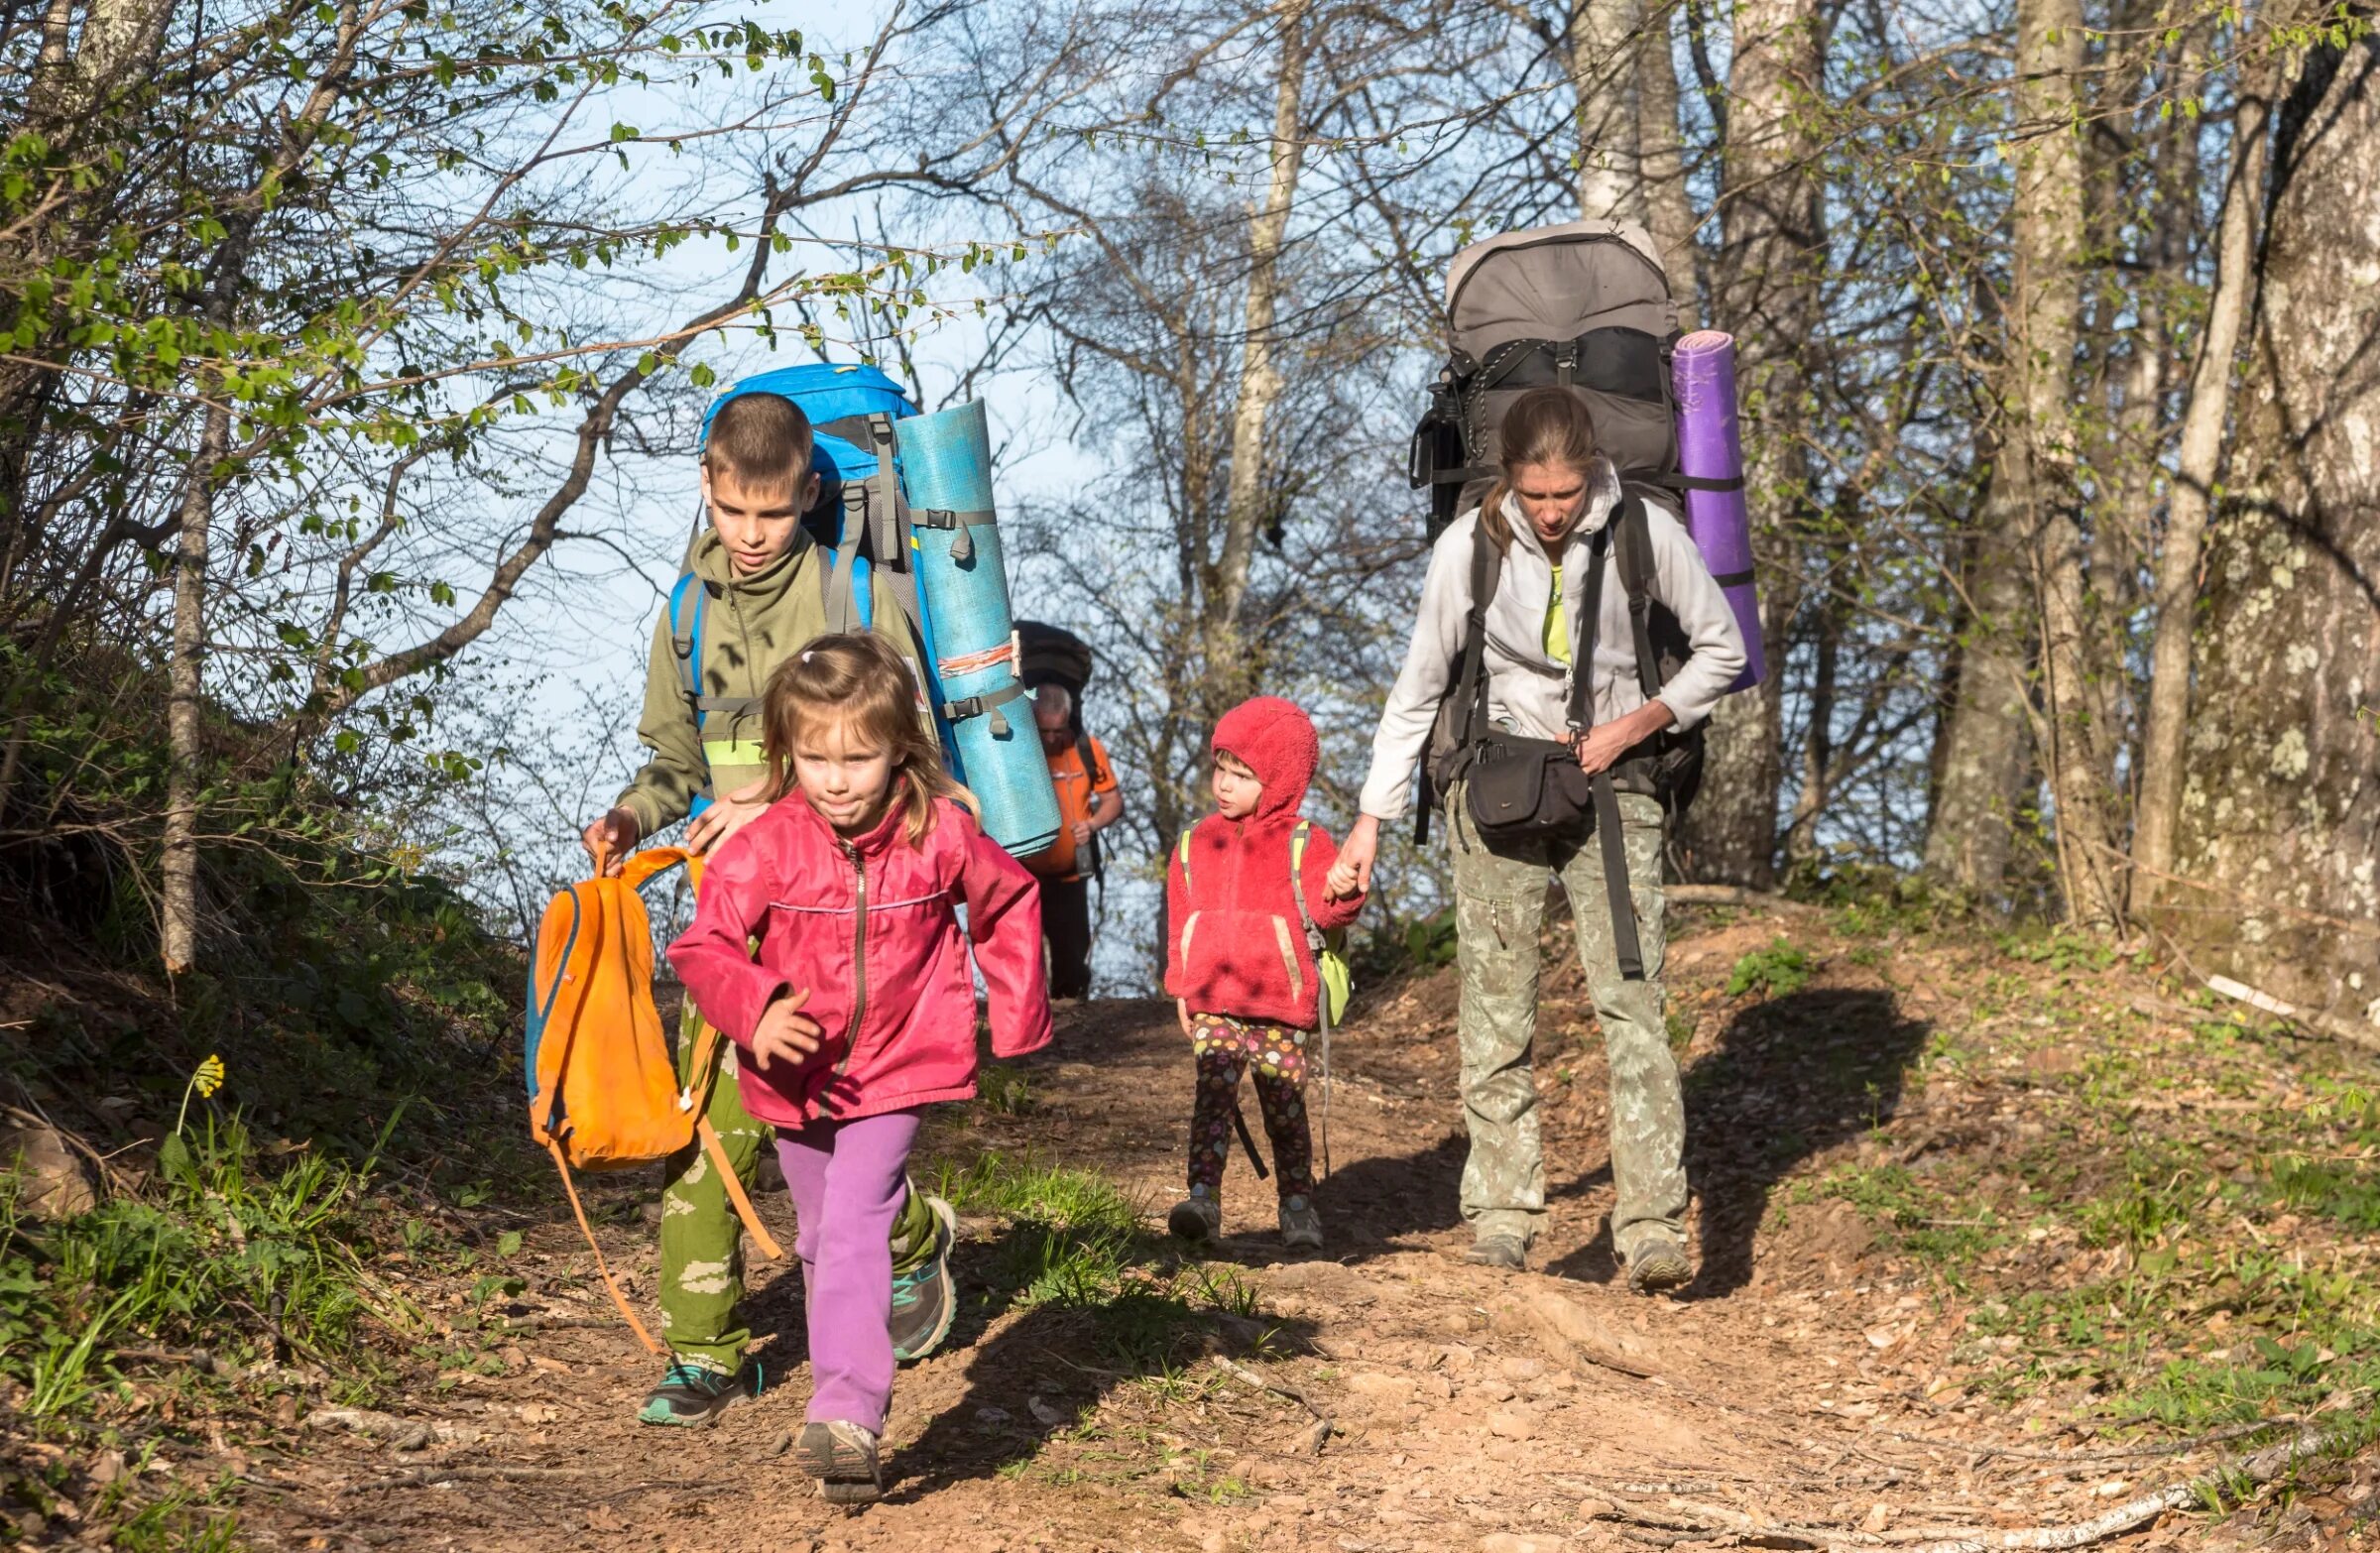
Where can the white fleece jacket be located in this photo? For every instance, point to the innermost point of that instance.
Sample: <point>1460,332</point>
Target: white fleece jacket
<point>1526,690</point>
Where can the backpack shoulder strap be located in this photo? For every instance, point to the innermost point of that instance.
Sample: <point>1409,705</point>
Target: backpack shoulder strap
<point>1471,682</point>
<point>1636,542</point>
<point>689,602</point>
<point>1297,883</point>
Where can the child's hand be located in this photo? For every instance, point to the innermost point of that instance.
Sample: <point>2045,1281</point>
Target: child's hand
<point>784,1033</point>
<point>610,839</point>
<point>1351,874</point>
<point>1181,1007</point>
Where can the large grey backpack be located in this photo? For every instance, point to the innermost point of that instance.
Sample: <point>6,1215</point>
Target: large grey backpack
<point>1583,304</point>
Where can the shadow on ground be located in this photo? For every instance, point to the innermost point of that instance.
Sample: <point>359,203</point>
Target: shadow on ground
<point>1792,1077</point>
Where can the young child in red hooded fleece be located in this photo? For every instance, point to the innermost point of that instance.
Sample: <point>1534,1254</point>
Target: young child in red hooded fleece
<point>1237,961</point>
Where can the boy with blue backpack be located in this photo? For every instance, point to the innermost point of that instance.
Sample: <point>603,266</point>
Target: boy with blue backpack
<point>758,589</point>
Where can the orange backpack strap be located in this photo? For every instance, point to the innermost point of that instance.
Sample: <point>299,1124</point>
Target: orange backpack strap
<point>697,1094</point>
<point>642,865</point>
<point>563,1164</point>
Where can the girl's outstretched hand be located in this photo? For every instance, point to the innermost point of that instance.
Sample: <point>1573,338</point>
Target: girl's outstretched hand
<point>1351,874</point>
<point>784,1033</point>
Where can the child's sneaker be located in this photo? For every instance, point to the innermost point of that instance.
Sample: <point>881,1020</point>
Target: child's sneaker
<point>1302,1226</point>
<point>694,1395</point>
<point>923,1300</point>
<point>842,1457</point>
<point>1196,1218</point>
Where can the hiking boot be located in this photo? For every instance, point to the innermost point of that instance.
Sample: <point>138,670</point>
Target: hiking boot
<point>1506,1252</point>
<point>842,1457</point>
<point>923,1300</point>
<point>692,1396</point>
<point>1302,1226</point>
<point>1659,1266</point>
<point>1196,1218</point>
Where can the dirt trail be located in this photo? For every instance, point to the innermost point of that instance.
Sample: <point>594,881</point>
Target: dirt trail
<point>1473,1409</point>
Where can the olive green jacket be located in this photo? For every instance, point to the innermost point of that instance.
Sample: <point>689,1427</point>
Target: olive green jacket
<point>752,625</point>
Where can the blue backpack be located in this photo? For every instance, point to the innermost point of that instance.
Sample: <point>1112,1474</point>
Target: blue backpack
<point>862,521</point>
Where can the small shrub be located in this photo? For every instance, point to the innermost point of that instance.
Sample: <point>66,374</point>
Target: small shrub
<point>1777,971</point>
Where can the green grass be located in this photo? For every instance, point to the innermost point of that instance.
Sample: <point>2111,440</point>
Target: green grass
<point>1074,1242</point>
<point>237,1256</point>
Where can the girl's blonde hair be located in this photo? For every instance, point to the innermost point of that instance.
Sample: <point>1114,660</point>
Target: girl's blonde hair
<point>1545,426</point>
<point>859,681</point>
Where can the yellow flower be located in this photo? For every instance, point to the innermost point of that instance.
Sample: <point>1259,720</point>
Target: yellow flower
<point>209,1077</point>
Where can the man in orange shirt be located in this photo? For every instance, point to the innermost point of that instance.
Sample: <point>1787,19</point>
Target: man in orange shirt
<point>1089,801</point>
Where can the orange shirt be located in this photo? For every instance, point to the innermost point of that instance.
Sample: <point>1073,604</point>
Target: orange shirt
<point>1075,786</point>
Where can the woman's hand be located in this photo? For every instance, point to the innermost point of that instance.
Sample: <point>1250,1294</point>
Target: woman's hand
<point>1601,746</point>
<point>1351,874</point>
<point>784,1033</point>
<point>728,814</point>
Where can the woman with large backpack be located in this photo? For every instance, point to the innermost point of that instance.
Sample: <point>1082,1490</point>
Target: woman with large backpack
<point>1544,772</point>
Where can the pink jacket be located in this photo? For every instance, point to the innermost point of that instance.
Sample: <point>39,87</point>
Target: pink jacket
<point>868,930</point>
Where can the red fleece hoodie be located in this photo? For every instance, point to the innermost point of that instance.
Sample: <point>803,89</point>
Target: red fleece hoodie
<point>1236,944</point>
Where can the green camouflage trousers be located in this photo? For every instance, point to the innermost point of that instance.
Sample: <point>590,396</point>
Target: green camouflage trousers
<point>703,1240</point>
<point>1500,902</point>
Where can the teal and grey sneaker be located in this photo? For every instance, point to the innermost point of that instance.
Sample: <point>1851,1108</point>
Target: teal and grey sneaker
<point>1302,1226</point>
<point>923,1300</point>
<point>842,1457</point>
<point>694,1395</point>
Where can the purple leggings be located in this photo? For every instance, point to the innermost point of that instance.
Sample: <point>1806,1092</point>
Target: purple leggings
<point>848,1179</point>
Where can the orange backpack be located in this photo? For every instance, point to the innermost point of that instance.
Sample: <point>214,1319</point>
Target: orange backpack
<point>603,1093</point>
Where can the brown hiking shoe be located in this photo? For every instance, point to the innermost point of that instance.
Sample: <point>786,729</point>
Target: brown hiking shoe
<point>1658,1267</point>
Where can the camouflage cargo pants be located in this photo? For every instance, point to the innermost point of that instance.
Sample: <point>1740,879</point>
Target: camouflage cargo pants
<point>1500,903</point>
<point>703,1240</point>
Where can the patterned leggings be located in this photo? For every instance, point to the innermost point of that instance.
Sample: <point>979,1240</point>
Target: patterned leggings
<point>1225,1049</point>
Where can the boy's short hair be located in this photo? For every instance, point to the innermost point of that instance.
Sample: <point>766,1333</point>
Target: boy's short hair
<point>763,439</point>
<point>1225,758</point>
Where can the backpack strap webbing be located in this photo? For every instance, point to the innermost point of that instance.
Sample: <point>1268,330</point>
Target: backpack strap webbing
<point>1322,992</point>
<point>1626,947</point>
<point>562,1163</point>
<point>1636,542</point>
<point>1090,774</point>
<point>704,1071</point>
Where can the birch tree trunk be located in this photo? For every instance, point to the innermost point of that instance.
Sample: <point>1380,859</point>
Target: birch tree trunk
<point>1598,47</point>
<point>185,706</point>
<point>2029,536</point>
<point>1661,163</point>
<point>1771,263</point>
<point>2198,464</point>
<point>1227,666</point>
<point>2280,809</point>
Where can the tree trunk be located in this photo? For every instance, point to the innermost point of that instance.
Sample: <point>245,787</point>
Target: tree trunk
<point>2029,531</point>
<point>1229,668</point>
<point>2197,467</point>
<point>1661,162</point>
<point>1774,251</point>
<point>1598,49</point>
<point>2280,810</point>
<point>185,709</point>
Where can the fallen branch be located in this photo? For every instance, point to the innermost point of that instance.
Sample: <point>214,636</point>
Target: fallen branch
<point>2308,1019</point>
<point>432,1477</point>
<point>2224,1483</point>
<point>406,1434</point>
<point>1323,1425</point>
<point>1733,895</point>
<point>1979,1454</point>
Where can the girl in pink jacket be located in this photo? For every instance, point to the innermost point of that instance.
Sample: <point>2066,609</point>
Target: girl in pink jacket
<point>858,1008</point>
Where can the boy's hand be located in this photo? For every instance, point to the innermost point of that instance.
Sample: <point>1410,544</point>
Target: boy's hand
<point>784,1033</point>
<point>610,839</point>
<point>1351,874</point>
<point>728,814</point>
